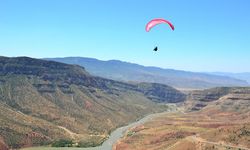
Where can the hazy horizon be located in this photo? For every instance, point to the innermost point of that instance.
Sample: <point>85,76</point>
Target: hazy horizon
<point>143,65</point>
<point>133,63</point>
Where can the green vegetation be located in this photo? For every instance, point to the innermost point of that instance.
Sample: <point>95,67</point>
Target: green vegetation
<point>86,144</point>
<point>130,133</point>
<point>62,143</point>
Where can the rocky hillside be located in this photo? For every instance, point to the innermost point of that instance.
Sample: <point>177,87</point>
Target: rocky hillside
<point>225,97</point>
<point>43,101</point>
<point>161,93</point>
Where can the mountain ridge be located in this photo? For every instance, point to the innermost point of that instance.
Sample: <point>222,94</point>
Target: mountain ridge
<point>125,71</point>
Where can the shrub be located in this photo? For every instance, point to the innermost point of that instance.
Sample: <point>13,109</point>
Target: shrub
<point>62,143</point>
<point>86,144</point>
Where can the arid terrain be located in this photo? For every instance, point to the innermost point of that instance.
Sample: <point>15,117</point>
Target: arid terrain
<point>222,122</point>
<point>43,102</point>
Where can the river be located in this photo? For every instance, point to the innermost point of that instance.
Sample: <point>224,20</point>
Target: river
<point>113,138</point>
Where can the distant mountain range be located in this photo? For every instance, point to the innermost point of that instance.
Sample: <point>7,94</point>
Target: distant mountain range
<point>242,76</point>
<point>124,71</point>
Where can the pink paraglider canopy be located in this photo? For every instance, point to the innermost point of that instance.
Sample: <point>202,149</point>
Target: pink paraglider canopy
<point>155,22</point>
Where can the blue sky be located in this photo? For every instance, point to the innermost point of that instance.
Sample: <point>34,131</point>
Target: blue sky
<point>210,35</point>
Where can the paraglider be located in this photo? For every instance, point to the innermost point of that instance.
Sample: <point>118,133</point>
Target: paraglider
<point>155,22</point>
<point>156,48</point>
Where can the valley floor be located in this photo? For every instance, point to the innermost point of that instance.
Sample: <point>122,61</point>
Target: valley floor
<point>113,138</point>
<point>202,130</point>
